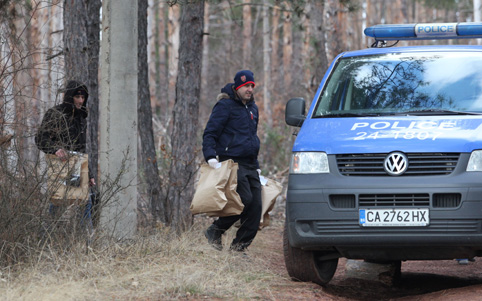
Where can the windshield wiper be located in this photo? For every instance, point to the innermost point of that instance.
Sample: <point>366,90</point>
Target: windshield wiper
<point>406,113</point>
<point>438,112</point>
<point>347,115</point>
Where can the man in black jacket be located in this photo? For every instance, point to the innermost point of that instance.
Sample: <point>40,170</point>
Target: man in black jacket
<point>231,133</point>
<point>62,137</point>
<point>64,126</point>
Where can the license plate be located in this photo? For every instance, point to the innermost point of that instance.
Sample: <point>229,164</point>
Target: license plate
<point>394,217</point>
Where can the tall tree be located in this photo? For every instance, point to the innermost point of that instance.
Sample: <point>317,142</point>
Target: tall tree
<point>81,56</point>
<point>185,144</point>
<point>247,35</point>
<point>319,62</point>
<point>275,34</point>
<point>287,46</point>
<point>267,65</point>
<point>147,150</point>
<point>93,50</point>
<point>76,57</point>
<point>173,59</point>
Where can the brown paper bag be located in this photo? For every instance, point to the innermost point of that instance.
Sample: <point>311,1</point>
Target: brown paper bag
<point>216,191</point>
<point>59,174</point>
<point>269,193</point>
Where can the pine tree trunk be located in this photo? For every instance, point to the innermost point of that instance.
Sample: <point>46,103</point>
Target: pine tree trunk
<point>173,60</point>
<point>275,70</point>
<point>76,56</point>
<point>247,64</point>
<point>148,160</point>
<point>205,106</point>
<point>318,32</point>
<point>185,142</point>
<point>267,66</point>
<point>93,51</point>
<point>81,59</point>
<point>287,48</point>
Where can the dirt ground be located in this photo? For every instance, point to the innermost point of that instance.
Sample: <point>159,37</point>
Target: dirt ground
<point>420,280</point>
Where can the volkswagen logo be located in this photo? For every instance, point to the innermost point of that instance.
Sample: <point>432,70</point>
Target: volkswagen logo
<point>395,163</point>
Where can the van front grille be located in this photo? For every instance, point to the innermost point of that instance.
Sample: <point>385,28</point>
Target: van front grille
<point>419,164</point>
<point>439,200</point>
<point>394,200</point>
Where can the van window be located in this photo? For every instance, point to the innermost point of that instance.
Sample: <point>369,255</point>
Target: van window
<point>403,83</point>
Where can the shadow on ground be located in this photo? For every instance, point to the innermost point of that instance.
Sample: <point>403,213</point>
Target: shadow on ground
<point>411,285</point>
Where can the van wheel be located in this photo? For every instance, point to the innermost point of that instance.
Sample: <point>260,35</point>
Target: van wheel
<point>305,265</point>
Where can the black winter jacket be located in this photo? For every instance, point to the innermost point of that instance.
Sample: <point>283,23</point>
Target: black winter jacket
<point>231,131</point>
<point>64,126</point>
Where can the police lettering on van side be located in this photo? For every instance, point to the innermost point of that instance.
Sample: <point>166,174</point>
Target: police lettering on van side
<point>420,130</point>
<point>401,125</point>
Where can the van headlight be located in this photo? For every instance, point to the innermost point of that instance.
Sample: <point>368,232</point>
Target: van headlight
<point>309,162</point>
<point>475,161</point>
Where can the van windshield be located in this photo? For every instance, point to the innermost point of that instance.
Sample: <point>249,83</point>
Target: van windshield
<point>415,83</point>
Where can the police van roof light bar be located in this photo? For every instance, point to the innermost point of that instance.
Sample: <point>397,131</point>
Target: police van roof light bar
<point>425,31</point>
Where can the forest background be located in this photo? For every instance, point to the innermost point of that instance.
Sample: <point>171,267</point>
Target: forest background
<point>287,44</point>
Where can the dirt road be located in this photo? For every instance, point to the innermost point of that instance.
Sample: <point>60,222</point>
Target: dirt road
<point>420,280</point>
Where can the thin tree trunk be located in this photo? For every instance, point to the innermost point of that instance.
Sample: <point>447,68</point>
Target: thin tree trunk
<point>81,58</point>
<point>205,79</point>
<point>227,54</point>
<point>76,56</point>
<point>158,56</point>
<point>275,70</point>
<point>287,48</point>
<point>318,35</point>
<point>185,117</point>
<point>20,60</point>
<point>173,59</point>
<point>148,158</point>
<point>247,35</point>
<point>267,66</point>
<point>93,39</point>
<point>307,60</point>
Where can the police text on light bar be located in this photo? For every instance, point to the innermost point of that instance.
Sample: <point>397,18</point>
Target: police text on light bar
<point>424,31</point>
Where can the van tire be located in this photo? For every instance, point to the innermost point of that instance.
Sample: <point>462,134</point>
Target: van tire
<point>304,265</point>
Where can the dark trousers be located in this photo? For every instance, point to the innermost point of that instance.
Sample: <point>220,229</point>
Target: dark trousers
<point>249,189</point>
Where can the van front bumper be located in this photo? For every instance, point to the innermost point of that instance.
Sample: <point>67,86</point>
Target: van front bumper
<point>315,222</point>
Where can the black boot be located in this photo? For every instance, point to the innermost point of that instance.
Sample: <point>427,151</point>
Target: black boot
<point>214,235</point>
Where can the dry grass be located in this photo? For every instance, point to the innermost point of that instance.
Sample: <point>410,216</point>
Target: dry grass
<point>152,267</point>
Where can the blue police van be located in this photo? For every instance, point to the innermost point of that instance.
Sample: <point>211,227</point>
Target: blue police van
<point>387,164</point>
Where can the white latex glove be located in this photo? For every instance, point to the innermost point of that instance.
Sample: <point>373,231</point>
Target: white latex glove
<point>259,171</point>
<point>213,163</point>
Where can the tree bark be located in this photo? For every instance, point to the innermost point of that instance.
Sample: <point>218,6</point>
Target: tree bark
<point>173,60</point>
<point>76,46</point>
<point>147,150</point>
<point>318,31</point>
<point>205,78</point>
<point>275,69</point>
<point>267,66</point>
<point>81,58</point>
<point>93,39</point>
<point>247,35</point>
<point>185,145</point>
<point>287,48</point>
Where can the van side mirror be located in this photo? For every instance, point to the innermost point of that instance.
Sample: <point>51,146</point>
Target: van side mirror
<point>295,112</point>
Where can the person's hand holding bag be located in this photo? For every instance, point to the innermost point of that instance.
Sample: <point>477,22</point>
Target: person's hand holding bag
<point>214,163</point>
